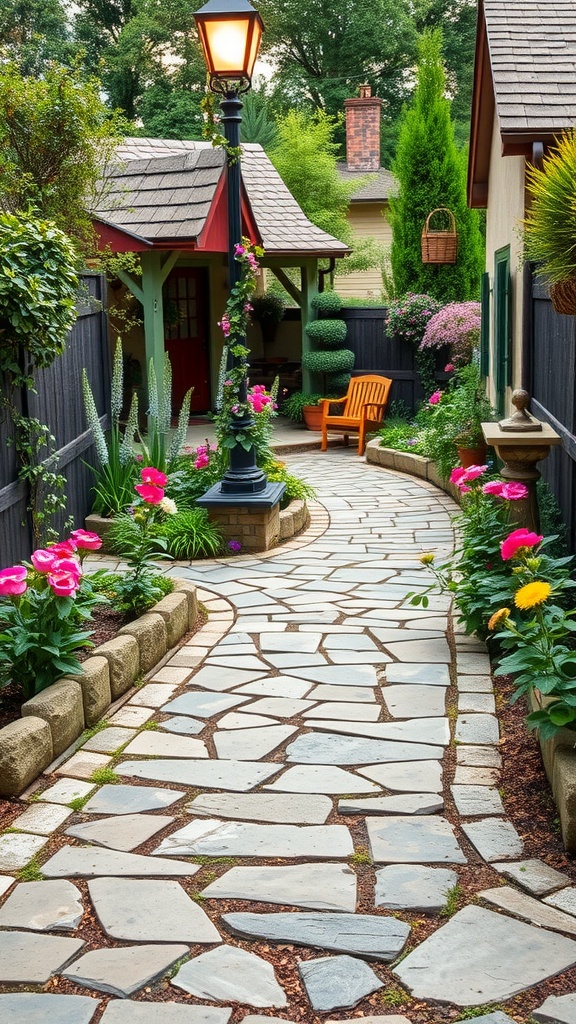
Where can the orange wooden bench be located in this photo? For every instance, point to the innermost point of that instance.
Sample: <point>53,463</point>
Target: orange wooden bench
<point>363,410</point>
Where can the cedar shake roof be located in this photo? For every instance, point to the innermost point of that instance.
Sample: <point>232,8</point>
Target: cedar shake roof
<point>162,190</point>
<point>532,46</point>
<point>525,75</point>
<point>382,185</point>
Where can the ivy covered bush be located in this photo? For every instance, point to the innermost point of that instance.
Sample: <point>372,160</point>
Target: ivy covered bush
<point>328,360</point>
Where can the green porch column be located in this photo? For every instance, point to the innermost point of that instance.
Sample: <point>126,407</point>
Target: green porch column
<point>309,277</point>
<point>152,280</point>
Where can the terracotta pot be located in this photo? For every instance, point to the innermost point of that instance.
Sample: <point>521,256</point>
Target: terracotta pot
<point>312,416</point>
<point>472,456</point>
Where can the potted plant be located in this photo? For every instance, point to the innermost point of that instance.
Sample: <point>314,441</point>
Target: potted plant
<point>549,229</point>
<point>328,359</point>
<point>268,310</point>
<point>301,407</point>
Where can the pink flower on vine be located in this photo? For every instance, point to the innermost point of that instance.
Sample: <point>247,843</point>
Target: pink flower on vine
<point>239,250</point>
<point>224,324</point>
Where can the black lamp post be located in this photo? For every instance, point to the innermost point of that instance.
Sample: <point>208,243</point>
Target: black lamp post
<point>230,33</point>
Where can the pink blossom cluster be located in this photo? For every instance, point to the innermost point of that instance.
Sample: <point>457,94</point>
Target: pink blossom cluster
<point>510,491</point>
<point>258,398</point>
<point>241,250</point>
<point>521,538</point>
<point>456,325</point>
<point>409,315</point>
<point>151,490</point>
<point>224,325</point>
<point>202,456</point>
<point>59,563</point>
<point>435,398</point>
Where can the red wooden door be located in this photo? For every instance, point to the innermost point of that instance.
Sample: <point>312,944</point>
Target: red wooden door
<point>186,335</point>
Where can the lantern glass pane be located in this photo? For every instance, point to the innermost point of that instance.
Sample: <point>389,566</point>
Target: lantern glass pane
<point>227,41</point>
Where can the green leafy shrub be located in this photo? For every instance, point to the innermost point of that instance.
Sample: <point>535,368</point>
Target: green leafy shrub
<point>327,363</point>
<point>328,333</point>
<point>293,405</point>
<point>296,489</point>
<point>190,534</point>
<point>327,303</point>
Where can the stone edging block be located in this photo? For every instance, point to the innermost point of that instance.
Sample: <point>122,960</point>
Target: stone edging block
<point>293,519</point>
<point>405,462</point>
<point>55,717</point>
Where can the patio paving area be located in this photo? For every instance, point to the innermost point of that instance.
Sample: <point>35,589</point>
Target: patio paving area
<point>277,838</point>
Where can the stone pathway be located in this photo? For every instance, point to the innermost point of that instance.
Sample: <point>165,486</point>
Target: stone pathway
<point>271,833</point>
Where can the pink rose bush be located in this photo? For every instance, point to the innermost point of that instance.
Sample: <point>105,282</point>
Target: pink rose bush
<point>44,605</point>
<point>516,541</point>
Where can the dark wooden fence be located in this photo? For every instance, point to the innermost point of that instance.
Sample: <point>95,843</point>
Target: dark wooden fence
<point>58,403</point>
<point>550,377</point>
<point>379,352</point>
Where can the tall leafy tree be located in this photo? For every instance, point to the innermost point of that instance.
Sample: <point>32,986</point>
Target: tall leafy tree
<point>322,50</point>
<point>33,33</point>
<point>431,172</point>
<point>55,137</point>
<point>457,19</point>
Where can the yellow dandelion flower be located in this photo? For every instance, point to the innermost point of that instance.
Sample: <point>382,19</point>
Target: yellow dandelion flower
<point>427,558</point>
<point>498,618</point>
<point>532,594</point>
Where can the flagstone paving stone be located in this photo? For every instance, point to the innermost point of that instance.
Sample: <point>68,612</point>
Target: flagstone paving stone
<point>83,764</point>
<point>377,938</point>
<point>351,694</point>
<point>144,910</point>
<point>320,779</point>
<point>238,720</point>
<point>339,675</point>
<point>27,958</point>
<point>324,886</point>
<point>475,800</point>
<point>183,725</point>
<point>214,678</point>
<point>494,839</point>
<point>388,1019</point>
<point>157,744</point>
<point>529,909</point>
<point>413,887</point>
<point>16,849</point>
<point>89,862</point>
<point>214,838</point>
<point>477,703</point>
<point>482,957</point>
<point>330,748</point>
<point>557,1010</point>
<point>119,799</point>
<point>424,675</point>
<point>249,744</point>
<point>478,757</point>
<point>123,971</point>
<point>126,1011</point>
<point>120,832</point>
<point>42,818</point>
<point>66,790</point>
<point>238,776</point>
<point>108,740</point>
<point>153,695</point>
<point>475,684</point>
<point>281,687</point>
<point>410,700</point>
<point>228,973</point>
<point>278,707</point>
<point>464,776</point>
<point>339,981</point>
<point>482,729</point>
<point>347,711</point>
<point>201,704</point>
<point>42,907</point>
<point>413,840</point>
<point>131,717</point>
<point>414,730</point>
<point>285,808</point>
<point>564,900</point>
<point>406,776</point>
<point>405,803</point>
<point>535,876</point>
<point>6,882</point>
<point>38,1007</point>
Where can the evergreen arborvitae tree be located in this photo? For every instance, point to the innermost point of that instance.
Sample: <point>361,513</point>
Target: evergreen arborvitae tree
<point>432,173</point>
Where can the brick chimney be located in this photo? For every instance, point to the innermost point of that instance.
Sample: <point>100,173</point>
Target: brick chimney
<point>363,131</point>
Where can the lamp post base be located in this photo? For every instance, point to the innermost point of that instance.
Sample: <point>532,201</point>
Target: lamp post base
<point>253,520</point>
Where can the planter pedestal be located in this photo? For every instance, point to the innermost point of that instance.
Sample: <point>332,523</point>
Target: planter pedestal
<point>520,451</point>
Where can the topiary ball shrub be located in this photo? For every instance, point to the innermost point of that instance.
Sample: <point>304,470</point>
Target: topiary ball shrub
<point>327,333</point>
<point>327,303</point>
<point>328,362</point>
<point>339,382</point>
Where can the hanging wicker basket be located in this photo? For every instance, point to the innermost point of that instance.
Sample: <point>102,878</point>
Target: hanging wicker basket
<point>439,246</point>
<point>563,296</point>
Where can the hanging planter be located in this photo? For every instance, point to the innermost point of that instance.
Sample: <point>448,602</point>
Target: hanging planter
<point>439,246</point>
<point>563,296</point>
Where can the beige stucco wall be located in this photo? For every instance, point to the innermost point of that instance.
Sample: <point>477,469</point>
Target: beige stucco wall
<point>504,215</point>
<point>366,220</point>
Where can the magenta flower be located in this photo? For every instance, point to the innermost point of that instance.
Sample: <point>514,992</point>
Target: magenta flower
<point>235,546</point>
<point>435,398</point>
<point>514,491</point>
<point>457,475</point>
<point>493,487</point>
<point>153,476</point>
<point>13,581</point>
<point>64,584</point>
<point>86,540</point>
<point>44,560</point>
<point>449,367</point>
<point>150,494</point>
<point>521,538</point>
<point>64,549</point>
<point>473,472</point>
<point>201,461</point>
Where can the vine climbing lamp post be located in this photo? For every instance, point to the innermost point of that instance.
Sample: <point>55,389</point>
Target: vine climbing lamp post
<point>230,32</point>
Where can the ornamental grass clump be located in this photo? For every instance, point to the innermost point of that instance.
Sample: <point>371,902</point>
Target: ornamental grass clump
<point>457,326</point>
<point>45,605</point>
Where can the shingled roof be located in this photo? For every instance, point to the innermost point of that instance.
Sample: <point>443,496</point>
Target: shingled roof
<point>162,190</point>
<point>381,186</point>
<point>532,46</point>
